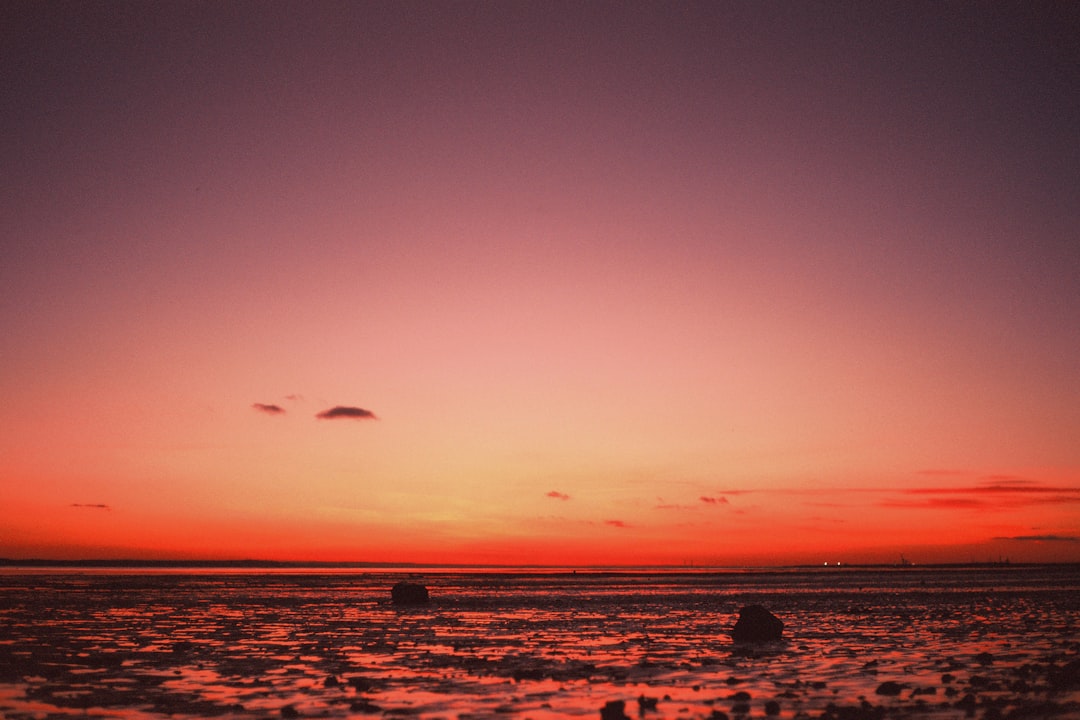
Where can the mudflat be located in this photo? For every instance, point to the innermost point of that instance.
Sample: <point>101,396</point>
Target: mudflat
<point>935,643</point>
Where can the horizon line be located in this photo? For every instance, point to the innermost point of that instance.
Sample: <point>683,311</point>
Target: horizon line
<point>251,563</point>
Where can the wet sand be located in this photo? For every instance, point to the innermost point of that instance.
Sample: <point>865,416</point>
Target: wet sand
<point>904,643</point>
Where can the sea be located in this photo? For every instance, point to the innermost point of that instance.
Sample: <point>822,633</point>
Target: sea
<point>858,643</point>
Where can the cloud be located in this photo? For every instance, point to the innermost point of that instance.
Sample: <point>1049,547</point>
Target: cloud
<point>714,500</point>
<point>997,484</point>
<point>344,411</point>
<point>269,409</point>
<point>1042,538</point>
<point>938,503</point>
<point>558,495</point>
<point>996,492</point>
<point>616,523</point>
<point>91,506</point>
<point>1009,480</point>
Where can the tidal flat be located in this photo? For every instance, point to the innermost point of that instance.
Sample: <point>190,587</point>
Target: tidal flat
<point>910,642</point>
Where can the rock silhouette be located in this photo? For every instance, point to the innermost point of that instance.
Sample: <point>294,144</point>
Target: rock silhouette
<point>614,710</point>
<point>889,688</point>
<point>409,593</point>
<point>756,624</point>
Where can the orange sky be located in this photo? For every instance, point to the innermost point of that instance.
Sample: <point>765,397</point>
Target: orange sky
<point>726,283</point>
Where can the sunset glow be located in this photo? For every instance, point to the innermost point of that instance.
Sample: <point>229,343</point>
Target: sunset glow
<point>533,283</point>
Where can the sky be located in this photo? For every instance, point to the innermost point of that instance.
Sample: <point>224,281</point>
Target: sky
<point>732,283</point>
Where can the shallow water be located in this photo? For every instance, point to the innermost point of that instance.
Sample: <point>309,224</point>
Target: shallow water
<point>949,643</point>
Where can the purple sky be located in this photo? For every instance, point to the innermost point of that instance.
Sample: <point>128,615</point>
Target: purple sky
<point>556,265</point>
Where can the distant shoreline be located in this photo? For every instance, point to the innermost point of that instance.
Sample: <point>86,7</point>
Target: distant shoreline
<point>249,564</point>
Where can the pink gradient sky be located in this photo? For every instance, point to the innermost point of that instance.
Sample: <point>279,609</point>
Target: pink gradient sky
<point>736,283</point>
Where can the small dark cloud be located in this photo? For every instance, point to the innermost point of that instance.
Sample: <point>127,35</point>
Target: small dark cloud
<point>91,506</point>
<point>558,495</point>
<point>344,411</point>
<point>721,500</point>
<point>268,409</point>
<point>1042,538</point>
<point>616,523</point>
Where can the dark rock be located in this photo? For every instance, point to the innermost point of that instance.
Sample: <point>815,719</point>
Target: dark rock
<point>289,712</point>
<point>331,681</point>
<point>889,688</point>
<point>361,683</point>
<point>981,682</point>
<point>968,702</point>
<point>984,658</point>
<point>756,624</point>
<point>863,711</point>
<point>614,710</point>
<point>409,593</point>
<point>772,708</point>
<point>646,703</point>
<point>1066,677</point>
<point>363,706</point>
<point>529,673</point>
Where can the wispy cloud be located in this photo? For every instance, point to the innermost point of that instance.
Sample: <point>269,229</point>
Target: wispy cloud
<point>709,500</point>
<point>994,493</point>
<point>1008,480</point>
<point>1042,538</point>
<point>558,495</point>
<point>616,523</point>
<point>1011,486</point>
<point>344,411</point>
<point>269,409</point>
<point>91,506</point>
<point>938,503</point>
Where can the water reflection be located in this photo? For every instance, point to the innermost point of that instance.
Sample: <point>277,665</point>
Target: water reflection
<point>913,643</point>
